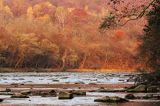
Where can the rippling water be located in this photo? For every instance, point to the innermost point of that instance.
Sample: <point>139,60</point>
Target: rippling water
<point>64,77</point>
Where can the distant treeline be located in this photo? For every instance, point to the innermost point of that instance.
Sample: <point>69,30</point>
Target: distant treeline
<point>47,35</point>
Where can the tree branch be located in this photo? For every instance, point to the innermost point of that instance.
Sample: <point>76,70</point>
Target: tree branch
<point>141,14</point>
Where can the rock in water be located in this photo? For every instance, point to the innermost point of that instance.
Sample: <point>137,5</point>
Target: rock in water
<point>19,95</point>
<point>51,93</point>
<point>130,96</point>
<point>5,90</point>
<point>113,99</point>
<point>1,100</point>
<point>139,88</point>
<point>26,92</point>
<point>152,89</point>
<point>65,95</point>
<point>78,93</point>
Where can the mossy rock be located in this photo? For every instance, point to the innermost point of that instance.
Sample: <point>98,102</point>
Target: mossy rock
<point>139,88</point>
<point>65,95</point>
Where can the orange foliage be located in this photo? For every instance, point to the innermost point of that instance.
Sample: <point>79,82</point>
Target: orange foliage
<point>63,34</point>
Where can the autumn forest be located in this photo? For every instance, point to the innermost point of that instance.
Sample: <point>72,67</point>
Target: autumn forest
<point>65,34</point>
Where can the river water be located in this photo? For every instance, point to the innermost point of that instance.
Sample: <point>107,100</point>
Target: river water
<point>71,77</point>
<point>65,77</point>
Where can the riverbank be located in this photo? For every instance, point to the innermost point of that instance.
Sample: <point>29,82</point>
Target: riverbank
<point>12,70</point>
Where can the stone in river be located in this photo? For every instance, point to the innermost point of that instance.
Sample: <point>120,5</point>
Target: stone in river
<point>26,92</point>
<point>139,88</point>
<point>51,93</point>
<point>1,100</point>
<point>5,90</point>
<point>78,93</point>
<point>65,95</point>
<point>19,95</point>
<point>130,96</point>
<point>151,96</point>
<point>152,89</point>
<point>113,99</point>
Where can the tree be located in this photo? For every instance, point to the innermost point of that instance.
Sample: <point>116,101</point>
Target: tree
<point>61,16</point>
<point>123,11</point>
<point>150,48</point>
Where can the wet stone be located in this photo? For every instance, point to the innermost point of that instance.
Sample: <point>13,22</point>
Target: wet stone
<point>130,96</point>
<point>113,99</point>
<point>26,92</point>
<point>1,100</point>
<point>139,88</point>
<point>19,95</point>
<point>65,95</point>
<point>152,89</point>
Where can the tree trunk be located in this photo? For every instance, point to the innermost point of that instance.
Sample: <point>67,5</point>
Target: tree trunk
<point>83,62</point>
<point>104,65</point>
<point>63,68</point>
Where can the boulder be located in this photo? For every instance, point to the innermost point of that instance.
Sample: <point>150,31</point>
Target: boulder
<point>152,89</point>
<point>19,95</point>
<point>26,92</point>
<point>6,93</point>
<point>151,96</point>
<point>1,100</point>
<point>5,90</point>
<point>139,88</point>
<point>65,95</point>
<point>130,96</point>
<point>113,99</point>
<point>51,93</point>
<point>78,93</point>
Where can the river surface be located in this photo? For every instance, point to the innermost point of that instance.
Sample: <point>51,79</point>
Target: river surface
<point>61,77</point>
<point>64,77</point>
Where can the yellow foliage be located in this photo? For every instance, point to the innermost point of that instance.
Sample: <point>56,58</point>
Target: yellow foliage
<point>45,18</point>
<point>8,10</point>
<point>30,12</point>
<point>1,4</point>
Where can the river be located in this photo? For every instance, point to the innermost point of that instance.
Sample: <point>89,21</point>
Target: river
<point>70,78</point>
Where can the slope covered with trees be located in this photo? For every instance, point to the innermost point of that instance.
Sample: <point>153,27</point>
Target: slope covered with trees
<point>64,34</point>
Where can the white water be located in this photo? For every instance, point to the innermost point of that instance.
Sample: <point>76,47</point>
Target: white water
<point>61,77</point>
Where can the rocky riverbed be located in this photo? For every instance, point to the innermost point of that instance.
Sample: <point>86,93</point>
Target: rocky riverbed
<point>74,89</point>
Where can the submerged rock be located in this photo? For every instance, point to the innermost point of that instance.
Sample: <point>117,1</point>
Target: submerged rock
<point>110,90</point>
<point>51,93</point>
<point>78,93</point>
<point>113,99</point>
<point>152,89</point>
<point>65,95</point>
<point>19,95</point>
<point>6,93</point>
<point>130,96</point>
<point>151,96</point>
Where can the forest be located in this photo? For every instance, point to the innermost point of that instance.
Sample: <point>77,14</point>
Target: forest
<point>65,34</point>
